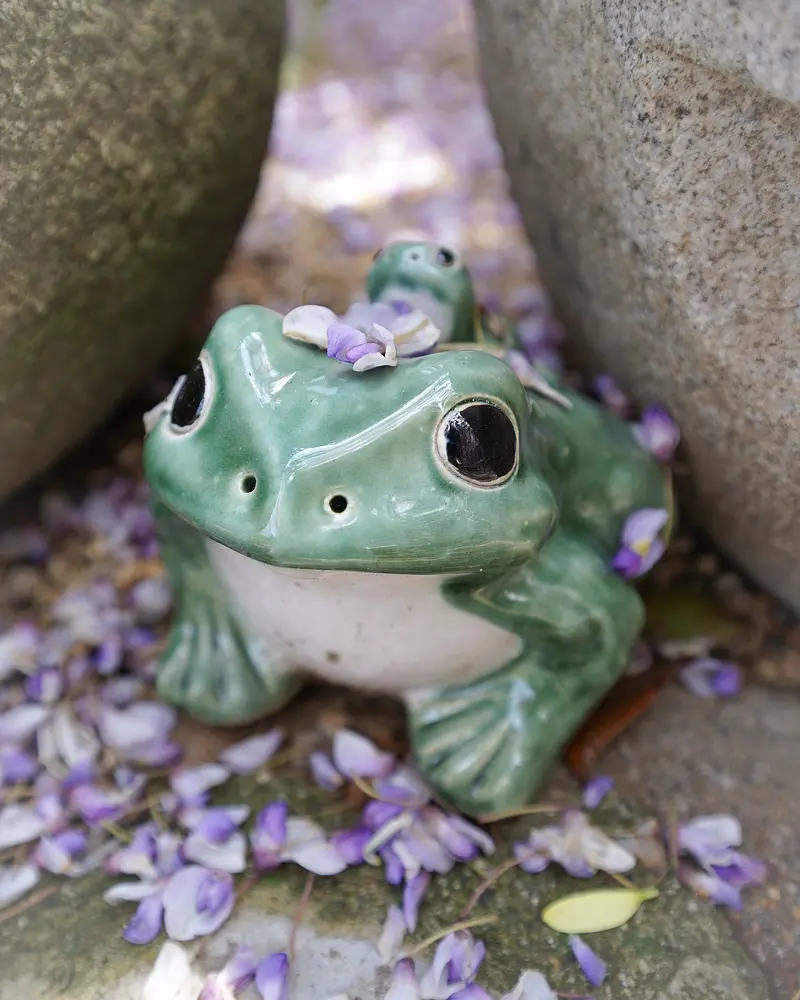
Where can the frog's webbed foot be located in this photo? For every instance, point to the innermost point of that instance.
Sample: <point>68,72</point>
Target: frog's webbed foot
<point>488,745</point>
<point>212,667</point>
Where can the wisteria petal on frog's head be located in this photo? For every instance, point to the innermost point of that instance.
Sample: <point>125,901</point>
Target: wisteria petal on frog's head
<point>387,358</point>
<point>310,324</point>
<point>404,984</point>
<point>169,852</point>
<point>658,433</point>
<point>355,755</point>
<point>272,977</point>
<point>363,315</point>
<point>197,902</point>
<point>393,867</point>
<point>413,893</point>
<point>592,966</point>
<point>596,790</point>
<point>16,882</point>
<point>323,771</point>
<point>344,340</point>
<point>414,333</point>
<point>593,848</point>
<point>532,985</point>
<point>531,857</point>
<point>253,753</point>
<point>708,677</point>
<point>191,783</point>
<point>392,935</point>
<point>18,724</point>
<point>711,887</point>
<point>145,925</point>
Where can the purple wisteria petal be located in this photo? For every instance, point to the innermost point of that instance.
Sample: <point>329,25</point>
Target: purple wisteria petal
<point>228,855</point>
<point>350,844</point>
<point>711,887</point>
<point>462,839</point>
<point>190,783</point>
<point>355,755</point>
<point>20,824</point>
<point>18,725</point>
<point>323,771</point>
<point>251,754</point>
<point>392,935</point>
<point>413,894</point>
<point>51,808</point>
<point>531,856</point>
<point>377,814</point>
<point>145,924</point>
<point>472,992</point>
<point>611,395</point>
<point>741,870</point>
<point>269,836</point>
<point>197,902</point>
<point>16,883</point>
<point>532,985</point>
<point>455,964</point>
<point>596,790</point>
<point>708,677</point>
<point>710,839</point>
<point>641,545</point>
<point>141,724</point>
<point>272,977</point>
<point>169,853</point>
<point>19,647</point>
<point>151,599</point>
<point>136,858</point>
<point>580,848</point>
<point>45,685</point>
<point>130,892</point>
<point>593,967</point>
<point>306,846</point>
<point>121,691</point>
<point>343,338</point>
<point>404,787</point>
<point>393,868</point>
<point>98,805</point>
<point>57,854</point>
<point>404,984</point>
<point>17,766</point>
<point>156,754</point>
<point>216,823</point>
<point>658,433</point>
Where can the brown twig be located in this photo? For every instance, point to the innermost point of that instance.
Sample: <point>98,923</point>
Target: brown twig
<point>26,904</point>
<point>299,914</point>
<point>487,883</point>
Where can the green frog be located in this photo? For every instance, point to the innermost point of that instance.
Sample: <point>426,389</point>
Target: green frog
<point>433,529</point>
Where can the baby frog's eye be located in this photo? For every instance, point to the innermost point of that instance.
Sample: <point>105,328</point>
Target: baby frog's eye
<point>478,441</point>
<point>190,399</point>
<point>445,257</point>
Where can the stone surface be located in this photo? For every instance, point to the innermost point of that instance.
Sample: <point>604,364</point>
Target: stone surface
<point>654,150</point>
<point>131,142</point>
<point>676,947</point>
<point>739,757</point>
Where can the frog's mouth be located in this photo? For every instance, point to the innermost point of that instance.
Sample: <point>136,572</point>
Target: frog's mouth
<point>421,298</point>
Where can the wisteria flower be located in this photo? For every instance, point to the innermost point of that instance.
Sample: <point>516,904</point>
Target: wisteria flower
<point>269,836</point>
<point>16,766</point>
<point>580,848</point>
<point>253,753</point>
<point>642,545</point>
<point>191,783</point>
<point>708,677</point>
<point>532,985</point>
<point>272,977</point>
<point>355,755</point>
<point>404,985</point>
<point>57,854</point>
<point>19,648</point>
<point>172,976</point>
<point>392,935</point>
<point>45,685</point>
<point>455,964</point>
<point>217,844</point>
<point>235,975</point>
<point>16,883</point>
<point>375,349</point>
<point>658,433</point>
<point>324,772</point>
<point>18,725</point>
<point>276,839</point>
<point>197,902</point>
<point>713,841</point>
<point>593,967</point>
<point>20,824</point>
<point>413,894</point>
<point>596,790</point>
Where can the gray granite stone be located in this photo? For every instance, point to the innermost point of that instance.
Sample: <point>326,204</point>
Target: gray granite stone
<point>131,140</point>
<point>654,149</point>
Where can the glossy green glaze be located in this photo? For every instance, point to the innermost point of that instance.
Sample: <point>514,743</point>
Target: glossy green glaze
<point>283,433</point>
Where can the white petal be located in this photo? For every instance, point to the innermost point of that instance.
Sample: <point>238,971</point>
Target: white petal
<point>182,920</point>
<point>17,725</point>
<point>227,857</point>
<point>318,857</point>
<point>172,976</point>
<point>19,825</point>
<point>74,741</point>
<point>309,324</point>
<point>392,935</point>
<point>532,985</point>
<point>192,781</point>
<point>719,829</point>
<point>140,724</point>
<point>355,754</point>
<point>16,882</point>
<point>414,333</point>
<point>300,830</point>
<point>605,854</point>
<point>129,892</point>
<point>250,754</point>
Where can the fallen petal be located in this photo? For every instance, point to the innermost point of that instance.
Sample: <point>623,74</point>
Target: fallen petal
<point>16,882</point>
<point>532,985</point>
<point>19,824</point>
<point>708,677</point>
<point>595,910</point>
<point>323,771</point>
<point>130,892</point>
<point>145,925</point>
<point>240,970</point>
<point>413,894</point>
<point>251,754</point>
<point>197,902</point>
<point>142,723</point>
<point>189,783</point>
<point>593,967</point>
<point>596,790</point>
<point>272,977</point>
<point>392,935</point>
<point>404,984</point>
<point>18,725</point>
<point>172,976</point>
<point>229,856</point>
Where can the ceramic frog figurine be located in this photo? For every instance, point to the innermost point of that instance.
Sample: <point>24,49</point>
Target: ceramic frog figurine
<point>431,530</point>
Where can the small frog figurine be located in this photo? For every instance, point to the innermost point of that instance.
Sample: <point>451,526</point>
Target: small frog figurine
<point>432,530</point>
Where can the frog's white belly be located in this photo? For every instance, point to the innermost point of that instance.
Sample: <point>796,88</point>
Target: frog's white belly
<point>381,631</point>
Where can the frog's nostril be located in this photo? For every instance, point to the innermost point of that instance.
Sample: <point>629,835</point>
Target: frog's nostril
<point>249,483</point>
<point>337,504</point>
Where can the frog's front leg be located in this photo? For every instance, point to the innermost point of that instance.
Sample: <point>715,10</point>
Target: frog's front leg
<point>489,744</point>
<point>213,666</point>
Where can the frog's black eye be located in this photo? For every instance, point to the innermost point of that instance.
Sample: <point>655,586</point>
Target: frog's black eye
<point>189,399</point>
<point>445,257</point>
<point>478,441</point>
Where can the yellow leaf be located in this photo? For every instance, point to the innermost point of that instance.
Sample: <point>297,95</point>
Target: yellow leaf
<point>595,909</point>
